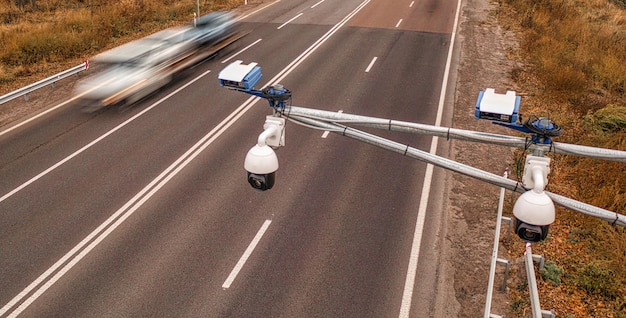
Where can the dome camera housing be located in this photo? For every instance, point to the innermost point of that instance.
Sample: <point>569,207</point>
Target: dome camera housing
<point>534,212</point>
<point>261,164</point>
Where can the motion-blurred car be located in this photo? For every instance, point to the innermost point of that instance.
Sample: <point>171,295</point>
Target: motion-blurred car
<point>136,69</point>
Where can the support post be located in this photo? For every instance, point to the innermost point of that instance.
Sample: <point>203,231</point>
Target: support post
<point>494,254</point>
<point>535,305</point>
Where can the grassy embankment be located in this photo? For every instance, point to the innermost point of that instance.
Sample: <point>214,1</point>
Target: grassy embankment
<point>58,34</point>
<point>575,52</point>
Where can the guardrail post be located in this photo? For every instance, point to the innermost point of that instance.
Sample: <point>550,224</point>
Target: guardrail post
<point>540,260</point>
<point>535,305</point>
<point>509,222</point>
<point>494,256</point>
<point>507,268</point>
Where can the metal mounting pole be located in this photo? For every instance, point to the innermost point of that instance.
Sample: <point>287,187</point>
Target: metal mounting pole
<point>494,254</point>
<point>535,305</point>
<point>296,115</point>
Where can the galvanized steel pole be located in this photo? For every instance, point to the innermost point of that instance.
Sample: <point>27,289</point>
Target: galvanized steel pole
<point>494,254</point>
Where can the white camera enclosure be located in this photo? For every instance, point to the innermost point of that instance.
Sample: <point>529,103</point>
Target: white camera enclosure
<point>261,160</point>
<point>500,107</point>
<point>240,76</point>
<point>534,208</point>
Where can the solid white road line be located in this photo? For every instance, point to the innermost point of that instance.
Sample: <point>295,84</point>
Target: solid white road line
<point>41,114</point>
<point>409,283</point>
<point>290,20</point>
<point>80,95</point>
<point>89,145</point>
<point>100,233</point>
<point>369,67</point>
<point>241,51</point>
<point>276,79</point>
<point>242,261</point>
<point>282,74</point>
<point>54,108</point>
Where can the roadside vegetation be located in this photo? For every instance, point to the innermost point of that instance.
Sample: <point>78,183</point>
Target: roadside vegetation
<point>574,57</point>
<point>40,38</point>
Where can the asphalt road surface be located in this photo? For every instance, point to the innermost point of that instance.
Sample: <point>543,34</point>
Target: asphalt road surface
<point>146,212</point>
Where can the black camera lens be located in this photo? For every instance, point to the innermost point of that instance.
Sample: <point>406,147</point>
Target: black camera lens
<point>529,234</point>
<point>261,182</point>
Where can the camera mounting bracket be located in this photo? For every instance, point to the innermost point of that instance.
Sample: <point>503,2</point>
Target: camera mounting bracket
<point>277,126</point>
<point>536,172</point>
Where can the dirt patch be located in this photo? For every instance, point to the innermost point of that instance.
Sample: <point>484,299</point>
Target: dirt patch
<point>472,203</point>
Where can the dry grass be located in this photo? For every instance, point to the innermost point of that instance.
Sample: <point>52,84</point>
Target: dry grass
<point>576,56</point>
<point>55,35</point>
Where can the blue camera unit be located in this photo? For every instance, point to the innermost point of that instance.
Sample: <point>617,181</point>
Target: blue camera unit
<point>240,76</point>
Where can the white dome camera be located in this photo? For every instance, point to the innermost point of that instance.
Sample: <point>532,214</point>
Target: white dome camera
<point>261,161</point>
<point>261,164</point>
<point>534,212</point>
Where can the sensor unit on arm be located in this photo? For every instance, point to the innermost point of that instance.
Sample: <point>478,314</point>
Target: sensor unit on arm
<point>498,107</point>
<point>240,76</point>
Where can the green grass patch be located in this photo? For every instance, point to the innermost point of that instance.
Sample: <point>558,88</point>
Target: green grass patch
<point>552,273</point>
<point>610,119</point>
<point>596,278</point>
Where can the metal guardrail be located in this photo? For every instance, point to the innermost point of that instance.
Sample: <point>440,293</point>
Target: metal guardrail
<point>43,83</point>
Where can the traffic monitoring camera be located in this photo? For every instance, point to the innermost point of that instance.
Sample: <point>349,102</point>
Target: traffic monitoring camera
<point>240,76</point>
<point>500,107</point>
<point>534,210</point>
<point>261,161</point>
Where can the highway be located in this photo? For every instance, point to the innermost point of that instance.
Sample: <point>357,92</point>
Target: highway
<point>146,211</point>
